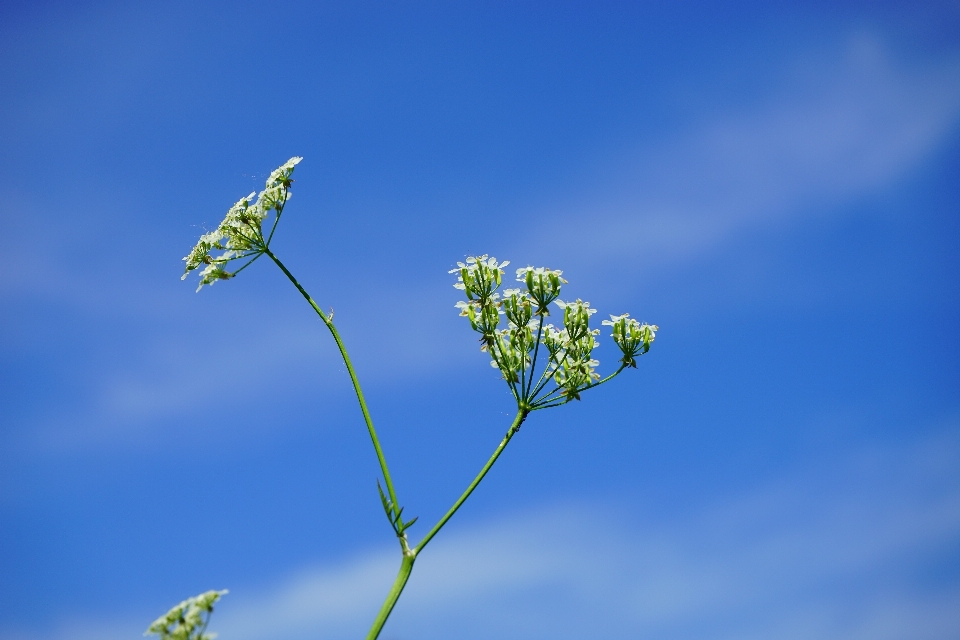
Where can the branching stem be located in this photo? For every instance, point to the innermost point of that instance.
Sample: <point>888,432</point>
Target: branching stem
<point>410,555</point>
<point>524,398</point>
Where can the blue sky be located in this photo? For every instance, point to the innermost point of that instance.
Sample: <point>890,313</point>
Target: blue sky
<point>775,187</point>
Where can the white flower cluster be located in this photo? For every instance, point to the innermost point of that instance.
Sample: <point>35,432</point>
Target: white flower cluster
<point>479,277</point>
<point>513,350</point>
<point>633,338</point>
<point>240,235</point>
<point>543,285</point>
<point>188,620</point>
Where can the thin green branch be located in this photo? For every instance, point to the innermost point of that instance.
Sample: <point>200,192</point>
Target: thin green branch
<point>410,555</point>
<point>353,376</point>
<point>538,407</point>
<point>492,346</point>
<point>276,218</point>
<point>543,402</point>
<point>545,376</point>
<point>239,256</point>
<point>517,421</point>
<point>533,363</point>
<point>608,378</point>
<point>254,259</point>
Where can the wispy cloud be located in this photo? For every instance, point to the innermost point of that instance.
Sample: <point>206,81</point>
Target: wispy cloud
<point>832,127</point>
<point>836,551</point>
<point>171,381</point>
<point>842,550</point>
<point>831,552</point>
<point>835,126</point>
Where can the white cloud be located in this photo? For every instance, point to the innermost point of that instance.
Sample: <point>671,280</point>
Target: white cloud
<point>826,554</point>
<point>169,382</point>
<point>836,551</point>
<point>832,128</point>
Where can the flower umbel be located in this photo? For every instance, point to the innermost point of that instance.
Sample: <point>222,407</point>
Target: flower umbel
<point>188,620</point>
<point>543,285</point>
<point>479,277</point>
<point>633,338</point>
<point>241,234</point>
<point>514,350</point>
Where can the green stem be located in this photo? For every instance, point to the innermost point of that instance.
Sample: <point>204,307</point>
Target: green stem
<point>406,566</point>
<point>533,363</point>
<point>547,401</point>
<point>517,421</point>
<point>410,555</point>
<point>353,377</point>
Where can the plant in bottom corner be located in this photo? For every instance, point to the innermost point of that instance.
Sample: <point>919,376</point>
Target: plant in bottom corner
<point>545,365</point>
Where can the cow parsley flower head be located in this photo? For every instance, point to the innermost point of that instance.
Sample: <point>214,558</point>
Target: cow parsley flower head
<point>488,319</point>
<point>576,317</point>
<point>188,620</point>
<point>479,276</point>
<point>200,254</point>
<point>280,177</point>
<point>514,350</point>
<point>543,285</point>
<point>241,235</point>
<point>633,338</point>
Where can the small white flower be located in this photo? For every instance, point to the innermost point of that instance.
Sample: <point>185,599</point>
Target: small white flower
<point>466,307</point>
<point>479,277</point>
<point>615,319</point>
<point>281,175</point>
<point>542,284</point>
<point>631,337</point>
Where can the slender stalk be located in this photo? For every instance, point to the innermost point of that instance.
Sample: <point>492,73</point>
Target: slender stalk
<point>276,218</point>
<point>552,400</point>
<point>410,555</point>
<point>493,354</point>
<point>406,566</point>
<point>353,376</point>
<point>514,427</point>
<point>252,260</point>
<point>533,363</point>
